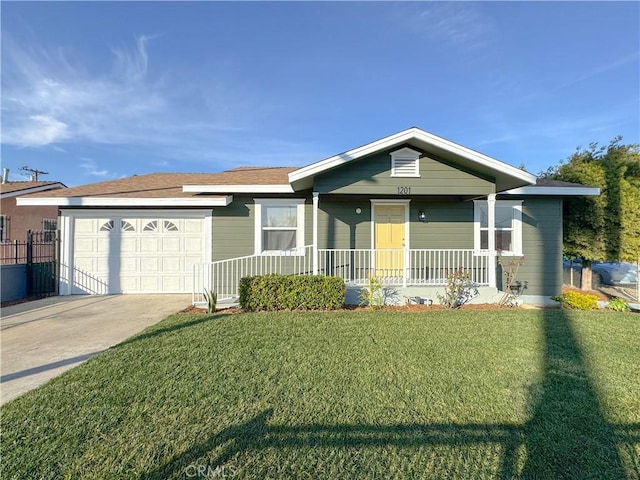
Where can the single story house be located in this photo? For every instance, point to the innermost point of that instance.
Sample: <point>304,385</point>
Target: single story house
<point>409,209</point>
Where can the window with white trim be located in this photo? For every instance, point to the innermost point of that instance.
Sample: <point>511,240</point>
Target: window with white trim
<point>279,225</point>
<point>49,226</point>
<point>508,226</point>
<point>405,163</point>
<point>3,228</point>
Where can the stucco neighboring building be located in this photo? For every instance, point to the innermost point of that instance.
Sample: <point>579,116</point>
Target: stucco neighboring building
<point>16,220</point>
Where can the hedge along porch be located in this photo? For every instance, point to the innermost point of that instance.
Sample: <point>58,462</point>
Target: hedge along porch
<point>409,208</point>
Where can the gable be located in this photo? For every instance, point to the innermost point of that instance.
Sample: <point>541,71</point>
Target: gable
<point>502,175</point>
<point>372,175</point>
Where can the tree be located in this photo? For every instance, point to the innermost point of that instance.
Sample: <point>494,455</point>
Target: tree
<point>606,227</point>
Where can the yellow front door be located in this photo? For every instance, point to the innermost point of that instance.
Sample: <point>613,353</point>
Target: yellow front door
<point>389,234</point>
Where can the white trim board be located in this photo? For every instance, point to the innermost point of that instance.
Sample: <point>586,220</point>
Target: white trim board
<point>222,201</point>
<point>558,191</point>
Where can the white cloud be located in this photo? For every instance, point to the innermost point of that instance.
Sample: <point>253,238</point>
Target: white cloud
<point>457,24</point>
<point>91,168</point>
<point>49,100</point>
<point>36,130</point>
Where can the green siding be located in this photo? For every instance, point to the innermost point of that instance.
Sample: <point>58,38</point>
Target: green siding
<point>233,228</point>
<point>339,226</point>
<point>449,224</point>
<point>542,246</point>
<point>372,176</point>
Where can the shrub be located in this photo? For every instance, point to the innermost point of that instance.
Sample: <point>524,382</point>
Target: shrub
<point>618,304</point>
<point>577,300</point>
<point>373,296</point>
<point>460,289</point>
<point>291,292</point>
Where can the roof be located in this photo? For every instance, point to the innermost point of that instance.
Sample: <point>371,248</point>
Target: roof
<point>165,185</point>
<point>506,176</point>
<point>216,189</point>
<point>13,189</point>
<point>548,186</point>
<point>159,189</point>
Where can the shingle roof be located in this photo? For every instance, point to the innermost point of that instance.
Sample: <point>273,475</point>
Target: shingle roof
<point>169,185</point>
<point>11,187</point>
<point>548,182</point>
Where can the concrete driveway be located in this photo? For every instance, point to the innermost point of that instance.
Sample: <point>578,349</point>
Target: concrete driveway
<point>43,338</point>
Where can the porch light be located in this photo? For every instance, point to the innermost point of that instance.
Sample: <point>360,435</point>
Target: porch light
<point>422,216</point>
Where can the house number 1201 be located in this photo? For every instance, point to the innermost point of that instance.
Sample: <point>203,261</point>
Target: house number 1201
<point>404,190</point>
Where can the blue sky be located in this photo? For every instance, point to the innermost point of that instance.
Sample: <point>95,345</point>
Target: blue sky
<point>96,91</point>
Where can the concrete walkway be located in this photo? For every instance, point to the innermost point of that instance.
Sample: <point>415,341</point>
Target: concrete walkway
<point>43,338</point>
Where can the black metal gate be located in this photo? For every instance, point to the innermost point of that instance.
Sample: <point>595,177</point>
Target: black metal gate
<point>40,254</point>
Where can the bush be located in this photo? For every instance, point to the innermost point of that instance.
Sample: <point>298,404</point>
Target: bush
<point>291,292</point>
<point>460,289</point>
<point>577,300</point>
<point>373,296</point>
<point>618,304</point>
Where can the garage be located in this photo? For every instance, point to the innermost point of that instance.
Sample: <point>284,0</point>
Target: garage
<point>150,252</point>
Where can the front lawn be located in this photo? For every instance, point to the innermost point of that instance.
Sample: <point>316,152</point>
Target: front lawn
<point>443,394</point>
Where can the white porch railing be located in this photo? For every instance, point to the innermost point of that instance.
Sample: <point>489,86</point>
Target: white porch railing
<point>404,267</point>
<point>224,276</point>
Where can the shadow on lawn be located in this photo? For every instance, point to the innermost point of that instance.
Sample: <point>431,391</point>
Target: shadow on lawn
<point>566,437</point>
<point>171,328</point>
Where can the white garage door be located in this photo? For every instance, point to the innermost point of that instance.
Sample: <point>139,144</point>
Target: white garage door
<point>136,255</point>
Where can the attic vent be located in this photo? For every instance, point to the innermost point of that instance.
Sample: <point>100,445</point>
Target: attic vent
<point>405,163</point>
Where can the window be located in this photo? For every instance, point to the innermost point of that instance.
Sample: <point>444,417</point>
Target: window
<point>49,226</point>
<point>508,226</point>
<point>126,226</point>
<point>405,163</point>
<point>107,226</point>
<point>279,225</point>
<point>170,226</point>
<point>3,228</point>
<point>151,226</point>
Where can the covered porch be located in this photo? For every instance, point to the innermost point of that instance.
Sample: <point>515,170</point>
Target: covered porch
<point>402,268</point>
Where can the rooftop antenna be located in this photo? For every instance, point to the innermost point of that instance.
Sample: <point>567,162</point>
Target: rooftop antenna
<point>34,172</point>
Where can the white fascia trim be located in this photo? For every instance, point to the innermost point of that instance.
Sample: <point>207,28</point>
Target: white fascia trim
<point>127,201</point>
<point>279,188</point>
<point>405,136</point>
<point>127,213</point>
<point>558,191</point>
<point>27,191</point>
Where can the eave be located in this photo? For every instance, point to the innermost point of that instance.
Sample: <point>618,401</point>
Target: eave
<point>218,201</point>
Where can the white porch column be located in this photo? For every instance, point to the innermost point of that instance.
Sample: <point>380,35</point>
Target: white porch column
<point>316,199</point>
<point>491,224</point>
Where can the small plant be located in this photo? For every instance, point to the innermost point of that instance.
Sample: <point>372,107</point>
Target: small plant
<point>577,301</point>
<point>618,304</point>
<point>460,289</point>
<point>372,295</point>
<point>212,300</point>
<point>510,267</point>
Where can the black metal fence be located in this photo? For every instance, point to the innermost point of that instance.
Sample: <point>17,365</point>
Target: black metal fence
<point>40,254</point>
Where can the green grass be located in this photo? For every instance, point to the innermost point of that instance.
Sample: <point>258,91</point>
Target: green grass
<point>463,394</point>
